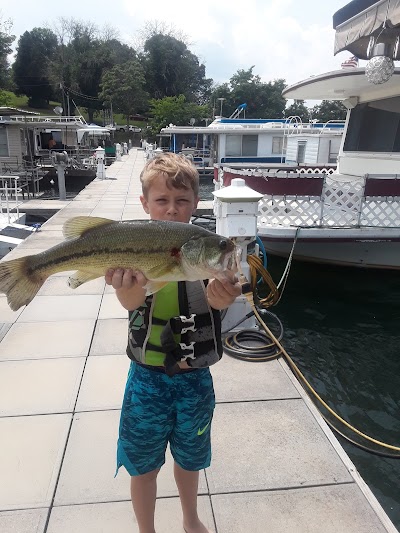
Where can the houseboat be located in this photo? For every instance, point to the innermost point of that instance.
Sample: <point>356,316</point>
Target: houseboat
<point>256,142</point>
<point>26,140</point>
<point>351,216</point>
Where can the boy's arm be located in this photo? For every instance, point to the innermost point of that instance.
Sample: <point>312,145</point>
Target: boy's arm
<point>222,293</point>
<point>128,287</point>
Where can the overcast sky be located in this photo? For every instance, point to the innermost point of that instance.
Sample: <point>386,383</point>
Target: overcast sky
<point>290,39</point>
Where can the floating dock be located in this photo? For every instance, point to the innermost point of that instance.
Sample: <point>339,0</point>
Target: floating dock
<point>276,465</point>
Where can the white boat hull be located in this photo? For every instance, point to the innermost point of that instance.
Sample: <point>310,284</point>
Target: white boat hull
<point>357,247</point>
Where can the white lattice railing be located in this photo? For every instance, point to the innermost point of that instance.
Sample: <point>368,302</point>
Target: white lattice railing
<point>341,204</point>
<point>330,200</point>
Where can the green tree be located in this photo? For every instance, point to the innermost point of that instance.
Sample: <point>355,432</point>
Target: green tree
<point>31,69</point>
<point>5,98</point>
<point>175,110</point>
<point>6,40</point>
<point>298,109</point>
<point>172,69</point>
<point>329,110</point>
<point>123,88</point>
<point>85,54</point>
<point>264,100</point>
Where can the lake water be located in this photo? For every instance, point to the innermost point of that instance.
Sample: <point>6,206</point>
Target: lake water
<point>342,328</point>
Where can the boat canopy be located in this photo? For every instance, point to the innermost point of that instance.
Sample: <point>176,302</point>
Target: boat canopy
<point>92,130</point>
<point>360,20</point>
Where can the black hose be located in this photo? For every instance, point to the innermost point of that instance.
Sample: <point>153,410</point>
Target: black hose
<point>252,344</point>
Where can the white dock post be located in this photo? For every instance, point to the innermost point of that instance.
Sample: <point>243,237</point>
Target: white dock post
<point>100,160</point>
<point>118,150</point>
<point>236,213</point>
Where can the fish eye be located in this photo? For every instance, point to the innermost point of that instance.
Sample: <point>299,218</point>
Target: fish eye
<point>223,244</point>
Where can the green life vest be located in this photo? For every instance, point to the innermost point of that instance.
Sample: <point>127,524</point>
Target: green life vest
<point>165,305</point>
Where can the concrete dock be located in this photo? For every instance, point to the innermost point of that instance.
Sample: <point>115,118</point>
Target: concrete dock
<point>276,465</point>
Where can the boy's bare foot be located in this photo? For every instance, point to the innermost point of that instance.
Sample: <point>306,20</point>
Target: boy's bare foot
<point>197,527</point>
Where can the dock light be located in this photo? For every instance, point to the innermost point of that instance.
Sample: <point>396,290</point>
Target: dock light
<point>380,67</point>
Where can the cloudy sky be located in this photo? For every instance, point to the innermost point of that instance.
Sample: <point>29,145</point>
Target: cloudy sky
<point>290,39</point>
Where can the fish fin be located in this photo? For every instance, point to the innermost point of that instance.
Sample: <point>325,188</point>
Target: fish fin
<point>17,284</point>
<point>75,227</point>
<point>154,286</point>
<point>79,278</point>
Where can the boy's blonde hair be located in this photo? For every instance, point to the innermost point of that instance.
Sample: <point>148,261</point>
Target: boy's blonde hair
<point>179,173</point>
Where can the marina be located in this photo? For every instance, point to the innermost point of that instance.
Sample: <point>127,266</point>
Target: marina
<point>275,461</point>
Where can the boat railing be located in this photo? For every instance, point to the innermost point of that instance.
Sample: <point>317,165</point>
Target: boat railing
<point>33,119</point>
<point>325,200</point>
<point>9,197</point>
<point>27,174</point>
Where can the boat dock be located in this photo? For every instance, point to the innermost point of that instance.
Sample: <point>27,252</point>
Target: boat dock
<point>276,465</point>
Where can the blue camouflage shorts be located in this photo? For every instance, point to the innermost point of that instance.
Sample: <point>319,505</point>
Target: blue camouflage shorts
<point>158,409</point>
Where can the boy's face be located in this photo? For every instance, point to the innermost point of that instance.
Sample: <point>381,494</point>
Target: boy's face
<point>162,203</point>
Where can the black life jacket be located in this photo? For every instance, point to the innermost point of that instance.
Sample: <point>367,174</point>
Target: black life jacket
<point>198,324</point>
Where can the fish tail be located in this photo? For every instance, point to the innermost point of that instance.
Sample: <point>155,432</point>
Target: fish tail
<point>18,282</point>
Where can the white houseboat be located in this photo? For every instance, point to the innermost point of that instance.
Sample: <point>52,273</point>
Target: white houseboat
<point>256,142</point>
<point>352,216</point>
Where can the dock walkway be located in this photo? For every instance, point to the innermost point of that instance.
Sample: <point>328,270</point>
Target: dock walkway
<point>276,465</point>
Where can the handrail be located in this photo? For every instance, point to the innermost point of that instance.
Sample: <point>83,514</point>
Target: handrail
<point>78,119</point>
<point>6,190</point>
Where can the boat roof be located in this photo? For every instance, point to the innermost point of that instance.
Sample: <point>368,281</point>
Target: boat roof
<point>357,21</point>
<point>342,85</point>
<point>7,111</point>
<point>251,126</point>
<point>42,121</point>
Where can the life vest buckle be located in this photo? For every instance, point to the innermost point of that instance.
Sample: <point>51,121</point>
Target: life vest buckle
<point>187,347</point>
<point>181,321</point>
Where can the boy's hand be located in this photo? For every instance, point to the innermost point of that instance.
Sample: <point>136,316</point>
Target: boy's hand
<point>121,278</point>
<point>221,293</point>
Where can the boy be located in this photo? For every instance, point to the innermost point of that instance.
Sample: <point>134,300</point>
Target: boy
<point>158,409</point>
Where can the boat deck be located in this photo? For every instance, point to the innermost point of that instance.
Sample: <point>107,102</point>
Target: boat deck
<point>276,465</point>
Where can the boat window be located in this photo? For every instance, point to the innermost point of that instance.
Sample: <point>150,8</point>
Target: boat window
<point>241,145</point>
<point>277,145</point>
<point>250,145</point>
<point>234,145</point>
<point>374,127</point>
<point>301,151</point>
<point>3,143</point>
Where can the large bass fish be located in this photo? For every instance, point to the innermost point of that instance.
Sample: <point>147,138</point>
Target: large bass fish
<point>163,251</point>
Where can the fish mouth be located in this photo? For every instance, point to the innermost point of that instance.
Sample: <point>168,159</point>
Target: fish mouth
<point>232,259</point>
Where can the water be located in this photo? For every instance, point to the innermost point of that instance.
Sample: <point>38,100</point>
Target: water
<point>342,328</point>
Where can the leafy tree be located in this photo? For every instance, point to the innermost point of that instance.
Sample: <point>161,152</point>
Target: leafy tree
<point>6,40</point>
<point>36,51</point>
<point>123,88</point>
<point>298,109</point>
<point>172,69</point>
<point>264,100</point>
<point>85,54</point>
<point>5,98</point>
<point>176,110</point>
<point>329,110</point>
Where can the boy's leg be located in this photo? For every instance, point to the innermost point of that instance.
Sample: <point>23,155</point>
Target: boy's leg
<point>187,482</point>
<point>143,494</point>
<point>190,440</point>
